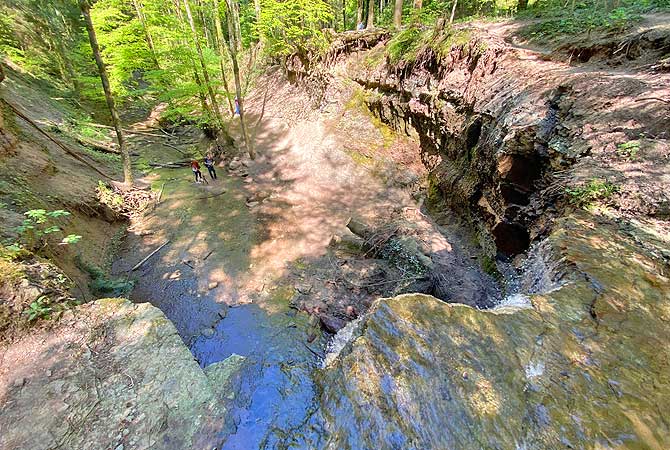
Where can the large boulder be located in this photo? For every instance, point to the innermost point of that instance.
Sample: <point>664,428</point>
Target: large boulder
<point>586,365</point>
<point>111,374</point>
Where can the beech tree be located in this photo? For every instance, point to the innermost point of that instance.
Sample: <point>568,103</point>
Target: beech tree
<point>371,14</point>
<point>397,14</point>
<point>205,73</point>
<point>233,46</point>
<point>85,7</point>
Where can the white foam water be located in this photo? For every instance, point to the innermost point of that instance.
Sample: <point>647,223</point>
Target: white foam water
<point>513,302</point>
<point>341,339</point>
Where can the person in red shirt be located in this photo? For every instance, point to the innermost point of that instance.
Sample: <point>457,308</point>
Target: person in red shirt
<point>195,167</point>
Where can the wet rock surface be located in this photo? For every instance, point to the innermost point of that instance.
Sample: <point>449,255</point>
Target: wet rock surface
<point>112,374</point>
<point>583,366</point>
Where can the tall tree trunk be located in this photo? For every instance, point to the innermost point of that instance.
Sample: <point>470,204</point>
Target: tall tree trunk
<point>453,12</point>
<point>371,14</point>
<point>257,9</point>
<point>194,68</point>
<point>418,4</point>
<point>203,19</point>
<point>150,41</point>
<point>62,52</point>
<point>222,53</point>
<point>359,12</point>
<point>344,15</point>
<point>233,45</point>
<point>125,156</point>
<point>67,64</point>
<point>397,14</point>
<point>205,73</point>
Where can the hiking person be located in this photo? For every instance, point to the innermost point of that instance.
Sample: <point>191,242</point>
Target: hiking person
<point>209,163</point>
<point>360,27</point>
<point>195,167</point>
<point>237,107</point>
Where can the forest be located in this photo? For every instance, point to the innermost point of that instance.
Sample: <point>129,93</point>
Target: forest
<point>198,56</point>
<point>334,224</point>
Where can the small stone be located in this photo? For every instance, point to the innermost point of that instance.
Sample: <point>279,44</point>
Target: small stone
<point>19,382</point>
<point>248,180</point>
<point>207,332</point>
<point>252,204</point>
<point>49,373</point>
<point>304,289</point>
<point>212,285</point>
<point>119,447</point>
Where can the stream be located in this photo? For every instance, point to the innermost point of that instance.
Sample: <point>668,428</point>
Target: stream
<point>226,279</point>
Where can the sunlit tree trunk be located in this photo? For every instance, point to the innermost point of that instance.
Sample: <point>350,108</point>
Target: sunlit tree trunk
<point>257,9</point>
<point>397,14</point>
<point>222,53</point>
<point>194,68</point>
<point>205,26</point>
<point>418,4</point>
<point>344,15</point>
<point>143,21</point>
<point>62,52</point>
<point>371,14</point>
<point>453,11</point>
<point>125,156</point>
<point>205,73</point>
<point>233,45</point>
<point>359,12</point>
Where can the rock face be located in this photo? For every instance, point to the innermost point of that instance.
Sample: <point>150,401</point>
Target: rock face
<point>500,125</point>
<point>112,375</point>
<point>587,366</point>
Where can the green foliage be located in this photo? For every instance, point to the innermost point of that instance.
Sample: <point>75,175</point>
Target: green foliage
<point>294,27</point>
<point>38,226</point>
<point>628,149</point>
<point>490,267</point>
<point>584,16</point>
<point>406,44</point>
<point>39,309</point>
<point>107,196</point>
<point>102,285</point>
<point>410,42</point>
<point>594,191</point>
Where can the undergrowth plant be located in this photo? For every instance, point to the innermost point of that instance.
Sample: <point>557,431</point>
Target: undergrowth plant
<point>39,309</point>
<point>102,285</point>
<point>594,191</point>
<point>37,230</point>
<point>408,44</point>
<point>628,150</point>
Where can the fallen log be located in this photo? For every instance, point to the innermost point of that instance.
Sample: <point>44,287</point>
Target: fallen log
<point>403,251</point>
<point>52,139</point>
<point>100,147</point>
<point>170,165</point>
<point>212,196</point>
<point>139,264</point>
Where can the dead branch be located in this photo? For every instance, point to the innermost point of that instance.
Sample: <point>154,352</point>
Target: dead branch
<point>160,194</point>
<point>212,196</point>
<point>139,264</point>
<point>652,99</point>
